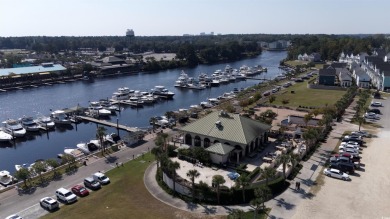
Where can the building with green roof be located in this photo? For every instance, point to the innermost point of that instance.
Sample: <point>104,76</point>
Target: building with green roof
<point>241,133</point>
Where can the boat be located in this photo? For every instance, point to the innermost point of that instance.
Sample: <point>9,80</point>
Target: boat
<point>96,109</point>
<point>26,166</point>
<point>182,81</point>
<point>5,178</point>
<point>123,93</point>
<point>29,124</point>
<point>45,122</point>
<point>4,137</point>
<point>14,128</point>
<point>112,138</point>
<point>161,91</point>
<point>90,147</point>
<point>215,82</point>
<point>205,104</point>
<point>60,118</point>
<point>75,152</point>
<point>108,106</point>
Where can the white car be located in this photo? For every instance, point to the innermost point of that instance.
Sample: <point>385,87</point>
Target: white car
<point>66,195</point>
<point>376,104</point>
<point>49,203</point>
<point>14,216</point>
<point>348,146</point>
<point>371,116</point>
<point>336,174</point>
<point>350,151</point>
<point>361,133</point>
<point>101,178</point>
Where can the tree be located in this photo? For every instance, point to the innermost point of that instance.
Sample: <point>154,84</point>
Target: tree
<point>100,133</point>
<point>153,121</point>
<point>271,99</point>
<point>193,174</point>
<point>218,180</point>
<point>156,151</point>
<point>173,166</point>
<point>39,167</point>
<point>262,194</point>
<point>360,120</point>
<point>284,159</point>
<point>161,141</point>
<point>68,159</point>
<point>53,164</point>
<point>23,174</point>
<point>268,173</point>
<point>243,182</point>
<point>204,189</point>
<point>307,118</point>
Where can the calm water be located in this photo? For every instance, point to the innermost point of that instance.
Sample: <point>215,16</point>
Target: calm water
<point>34,101</point>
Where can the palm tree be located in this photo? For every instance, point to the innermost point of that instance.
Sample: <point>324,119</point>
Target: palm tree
<point>54,164</point>
<point>294,158</point>
<point>242,182</point>
<point>156,151</point>
<point>218,180</point>
<point>307,118</point>
<point>100,133</point>
<point>39,167</point>
<point>268,173</point>
<point>193,174</point>
<point>153,121</point>
<point>284,159</point>
<point>262,194</point>
<point>173,166</point>
<point>23,174</point>
<point>204,189</point>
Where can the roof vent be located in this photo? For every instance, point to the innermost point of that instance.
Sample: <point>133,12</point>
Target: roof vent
<point>218,123</point>
<point>223,114</point>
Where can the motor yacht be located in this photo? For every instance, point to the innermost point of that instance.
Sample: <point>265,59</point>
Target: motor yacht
<point>4,137</point>
<point>96,109</point>
<point>29,124</point>
<point>182,81</point>
<point>6,178</point>
<point>14,128</point>
<point>60,118</point>
<point>162,92</point>
<point>90,147</point>
<point>123,93</point>
<point>75,152</point>
<point>108,106</point>
<point>45,121</point>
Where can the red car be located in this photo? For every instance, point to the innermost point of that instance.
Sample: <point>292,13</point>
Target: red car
<point>345,154</point>
<point>80,190</point>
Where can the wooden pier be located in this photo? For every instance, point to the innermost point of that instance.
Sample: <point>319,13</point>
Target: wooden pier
<point>260,79</point>
<point>110,124</point>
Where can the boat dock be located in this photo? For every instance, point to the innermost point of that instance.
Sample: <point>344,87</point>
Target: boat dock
<point>107,123</point>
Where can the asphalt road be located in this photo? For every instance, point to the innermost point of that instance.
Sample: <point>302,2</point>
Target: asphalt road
<point>27,205</point>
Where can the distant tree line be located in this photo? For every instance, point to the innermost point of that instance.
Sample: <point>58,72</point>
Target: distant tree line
<point>331,46</point>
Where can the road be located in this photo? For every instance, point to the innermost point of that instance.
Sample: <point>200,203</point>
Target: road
<point>27,205</point>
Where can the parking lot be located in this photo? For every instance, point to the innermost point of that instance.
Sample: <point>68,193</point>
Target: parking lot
<point>366,195</point>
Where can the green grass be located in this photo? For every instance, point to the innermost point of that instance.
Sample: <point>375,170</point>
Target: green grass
<point>125,197</point>
<point>304,96</point>
<point>250,214</point>
<point>296,62</point>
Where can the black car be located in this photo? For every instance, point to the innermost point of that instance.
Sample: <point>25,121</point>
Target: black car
<point>90,183</point>
<point>344,167</point>
<point>376,111</point>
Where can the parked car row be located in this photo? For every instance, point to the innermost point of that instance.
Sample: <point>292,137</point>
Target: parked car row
<point>67,196</point>
<point>348,158</point>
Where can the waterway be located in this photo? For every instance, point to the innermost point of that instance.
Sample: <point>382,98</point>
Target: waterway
<point>40,100</point>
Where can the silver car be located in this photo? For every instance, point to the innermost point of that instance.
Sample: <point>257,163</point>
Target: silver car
<point>336,174</point>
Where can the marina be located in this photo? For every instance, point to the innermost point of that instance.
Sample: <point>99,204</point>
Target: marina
<point>44,100</point>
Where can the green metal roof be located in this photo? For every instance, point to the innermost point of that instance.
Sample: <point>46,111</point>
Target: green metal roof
<point>233,127</point>
<point>220,148</point>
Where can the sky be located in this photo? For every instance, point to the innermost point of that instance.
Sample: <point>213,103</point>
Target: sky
<point>178,17</point>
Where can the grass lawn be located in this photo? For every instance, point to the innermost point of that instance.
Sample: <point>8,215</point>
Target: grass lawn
<point>304,96</point>
<point>296,62</point>
<point>125,197</point>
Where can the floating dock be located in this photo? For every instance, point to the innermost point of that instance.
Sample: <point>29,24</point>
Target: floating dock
<point>110,124</point>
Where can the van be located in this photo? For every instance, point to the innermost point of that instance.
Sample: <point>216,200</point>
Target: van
<point>100,177</point>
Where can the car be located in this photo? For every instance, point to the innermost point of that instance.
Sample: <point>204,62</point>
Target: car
<point>347,139</point>
<point>90,183</point>
<point>80,190</point>
<point>49,203</point>
<point>100,177</point>
<point>349,150</point>
<point>336,174</point>
<point>65,196</point>
<point>14,216</point>
<point>352,157</point>
<point>374,110</point>
<point>348,146</point>
<point>361,133</point>
<point>353,137</point>
<point>376,104</point>
<point>369,115</point>
<point>342,159</point>
<point>344,167</point>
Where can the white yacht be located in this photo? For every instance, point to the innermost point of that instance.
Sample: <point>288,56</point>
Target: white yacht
<point>162,92</point>
<point>108,106</point>
<point>97,109</point>
<point>29,124</point>
<point>14,128</point>
<point>5,178</point>
<point>4,137</point>
<point>123,93</point>
<point>182,81</point>
<point>90,147</point>
<point>75,152</point>
<point>45,121</point>
<point>60,117</point>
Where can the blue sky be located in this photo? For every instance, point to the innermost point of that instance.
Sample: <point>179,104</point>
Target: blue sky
<point>176,17</point>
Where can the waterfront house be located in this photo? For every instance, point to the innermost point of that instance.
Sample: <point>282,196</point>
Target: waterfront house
<point>327,76</point>
<point>361,77</point>
<point>314,57</point>
<point>241,134</point>
<point>345,79</point>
